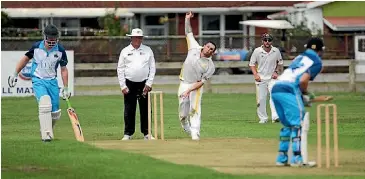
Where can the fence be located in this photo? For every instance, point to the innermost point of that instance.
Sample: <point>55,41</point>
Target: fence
<point>96,57</point>
<point>350,78</point>
<point>99,49</point>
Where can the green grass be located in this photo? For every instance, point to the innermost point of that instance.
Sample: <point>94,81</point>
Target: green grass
<point>224,115</point>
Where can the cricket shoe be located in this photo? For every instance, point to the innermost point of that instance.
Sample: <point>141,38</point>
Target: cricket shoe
<point>48,137</point>
<point>146,137</point>
<point>276,120</point>
<point>308,165</point>
<point>127,137</point>
<point>279,164</point>
<point>263,121</point>
<point>195,136</point>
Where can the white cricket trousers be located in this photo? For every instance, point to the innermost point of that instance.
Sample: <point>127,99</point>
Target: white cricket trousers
<point>190,107</point>
<point>261,96</point>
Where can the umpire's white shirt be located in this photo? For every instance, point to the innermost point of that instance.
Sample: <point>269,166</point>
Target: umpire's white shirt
<point>266,61</point>
<point>136,65</point>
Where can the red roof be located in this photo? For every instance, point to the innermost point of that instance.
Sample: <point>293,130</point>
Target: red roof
<point>346,21</point>
<point>140,4</point>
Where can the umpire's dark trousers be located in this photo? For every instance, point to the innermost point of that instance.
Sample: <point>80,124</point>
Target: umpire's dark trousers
<point>130,105</point>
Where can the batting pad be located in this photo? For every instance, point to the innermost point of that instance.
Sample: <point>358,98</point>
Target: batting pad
<point>304,136</point>
<point>45,117</point>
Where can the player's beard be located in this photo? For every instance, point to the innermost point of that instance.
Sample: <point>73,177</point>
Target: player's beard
<point>267,45</point>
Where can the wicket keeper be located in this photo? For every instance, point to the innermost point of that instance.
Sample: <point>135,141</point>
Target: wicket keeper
<point>47,55</point>
<point>288,93</point>
<point>197,69</point>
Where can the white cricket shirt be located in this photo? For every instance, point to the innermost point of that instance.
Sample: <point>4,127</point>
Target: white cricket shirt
<point>136,65</point>
<point>196,68</point>
<point>266,61</point>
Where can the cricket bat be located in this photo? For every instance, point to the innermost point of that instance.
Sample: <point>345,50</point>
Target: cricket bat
<point>74,122</point>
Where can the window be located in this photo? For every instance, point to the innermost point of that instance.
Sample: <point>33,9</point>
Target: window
<point>67,26</point>
<point>89,22</point>
<point>152,25</point>
<point>25,23</point>
<point>211,22</point>
<point>361,45</point>
<point>155,31</point>
<point>232,22</point>
<point>234,41</point>
<point>153,20</point>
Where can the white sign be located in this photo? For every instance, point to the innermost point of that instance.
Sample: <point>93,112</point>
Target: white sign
<point>23,87</point>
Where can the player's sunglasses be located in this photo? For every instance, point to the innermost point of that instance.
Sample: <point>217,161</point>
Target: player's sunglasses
<point>267,40</point>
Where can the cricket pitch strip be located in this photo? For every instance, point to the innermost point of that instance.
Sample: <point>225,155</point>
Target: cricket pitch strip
<point>234,155</point>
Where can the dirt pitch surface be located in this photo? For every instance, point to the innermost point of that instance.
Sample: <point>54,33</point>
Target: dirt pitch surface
<point>235,156</point>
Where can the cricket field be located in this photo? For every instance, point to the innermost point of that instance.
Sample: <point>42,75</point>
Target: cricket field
<point>233,144</point>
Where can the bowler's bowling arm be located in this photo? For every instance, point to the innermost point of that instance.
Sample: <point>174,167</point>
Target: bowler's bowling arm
<point>322,98</point>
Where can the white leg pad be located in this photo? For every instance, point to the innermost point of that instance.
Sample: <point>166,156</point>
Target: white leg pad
<point>45,117</point>
<point>304,140</point>
<point>55,116</point>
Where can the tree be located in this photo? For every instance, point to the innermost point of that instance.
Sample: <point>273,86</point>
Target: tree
<point>5,20</point>
<point>111,24</point>
<point>294,39</point>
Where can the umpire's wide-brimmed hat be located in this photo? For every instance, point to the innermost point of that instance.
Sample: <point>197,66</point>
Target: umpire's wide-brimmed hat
<point>136,33</point>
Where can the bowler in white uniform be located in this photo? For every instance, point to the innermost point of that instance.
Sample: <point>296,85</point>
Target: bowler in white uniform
<point>266,63</point>
<point>197,69</point>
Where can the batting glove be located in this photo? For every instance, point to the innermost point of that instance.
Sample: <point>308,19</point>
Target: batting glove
<point>307,99</point>
<point>13,79</point>
<point>65,93</point>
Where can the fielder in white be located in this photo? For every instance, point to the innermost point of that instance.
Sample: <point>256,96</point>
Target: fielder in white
<point>269,65</point>
<point>197,69</point>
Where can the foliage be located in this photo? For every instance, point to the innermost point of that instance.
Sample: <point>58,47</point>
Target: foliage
<point>299,29</point>
<point>111,24</point>
<point>5,20</point>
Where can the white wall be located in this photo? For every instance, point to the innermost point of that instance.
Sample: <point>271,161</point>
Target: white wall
<point>313,17</point>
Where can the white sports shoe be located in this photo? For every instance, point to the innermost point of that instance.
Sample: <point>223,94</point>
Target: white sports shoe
<point>263,121</point>
<point>127,137</point>
<point>195,136</point>
<point>309,164</point>
<point>146,137</point>
<point>281,164</point>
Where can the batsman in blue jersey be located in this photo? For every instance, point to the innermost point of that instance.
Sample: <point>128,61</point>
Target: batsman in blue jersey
<point>47,56</point>
<point>288,94</point>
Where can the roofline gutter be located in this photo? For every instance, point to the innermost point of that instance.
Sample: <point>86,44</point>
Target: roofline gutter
<point>299,7</point>
<point>127,12</point>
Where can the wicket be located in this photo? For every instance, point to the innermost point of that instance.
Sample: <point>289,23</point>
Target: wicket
<point>327,133</point>
<point>154,94</point>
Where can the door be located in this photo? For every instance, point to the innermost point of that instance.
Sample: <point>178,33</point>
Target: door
<point>360,53</point>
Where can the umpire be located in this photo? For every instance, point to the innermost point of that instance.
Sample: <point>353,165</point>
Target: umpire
<point>136,71</point>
